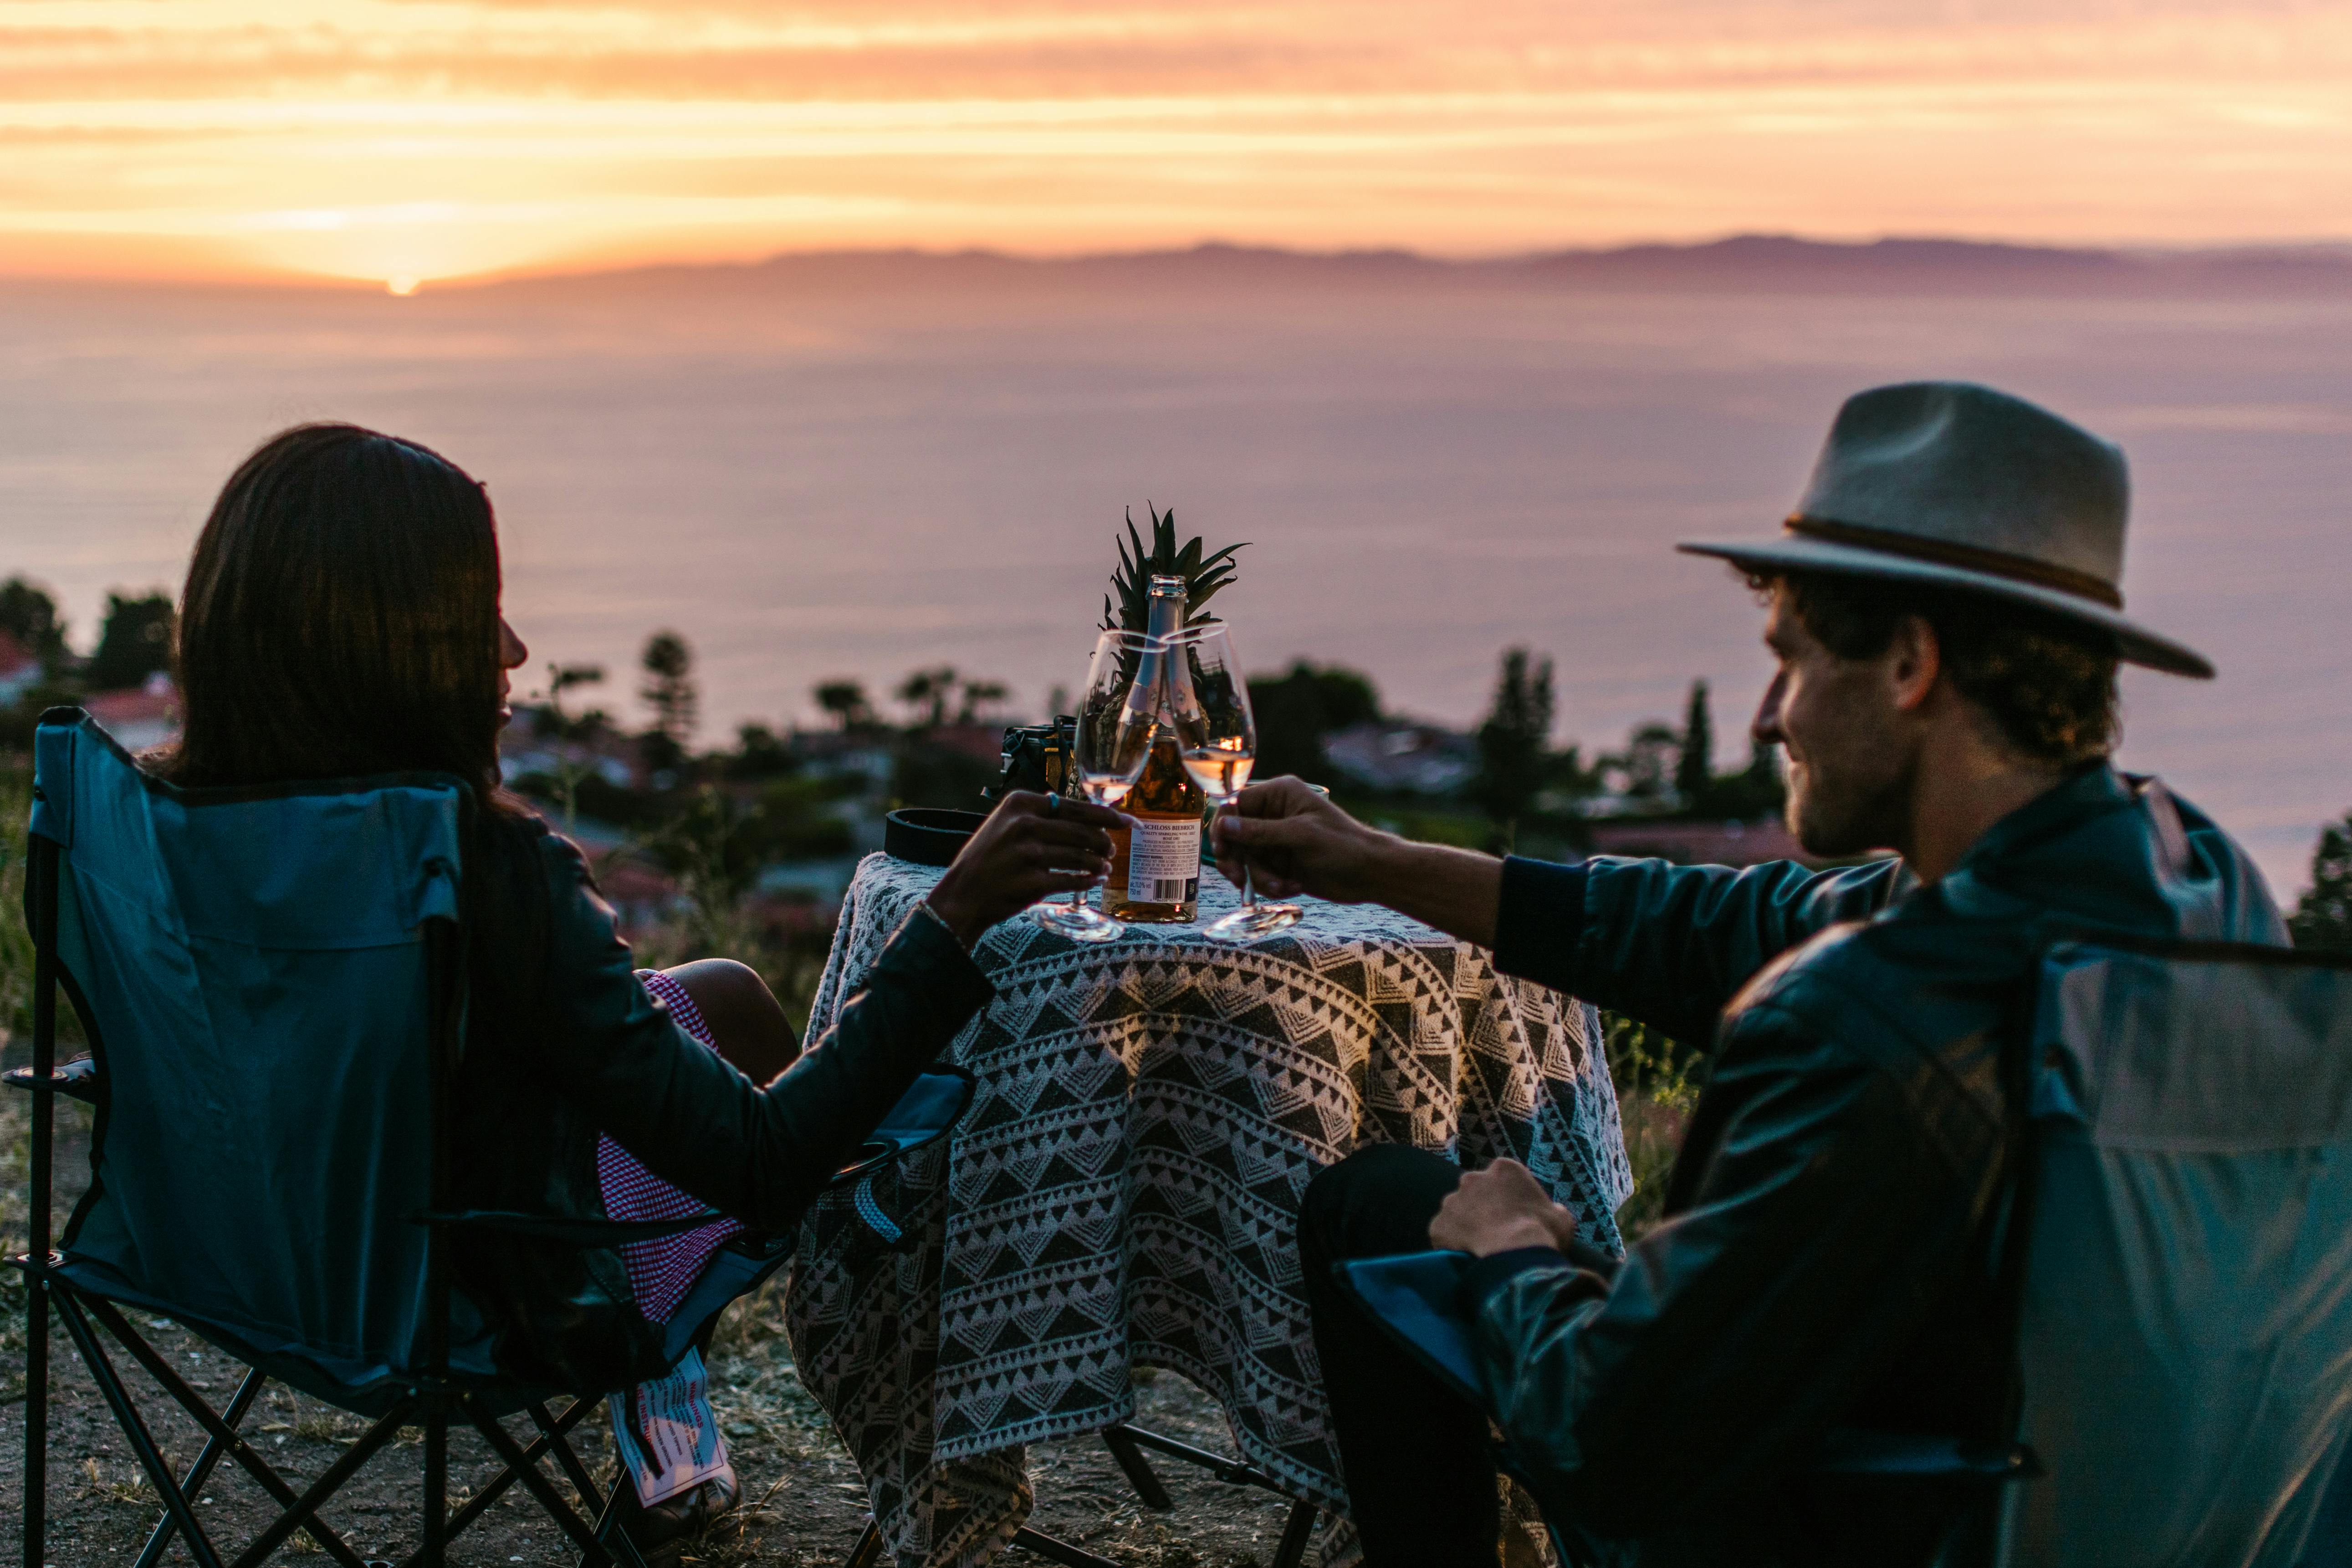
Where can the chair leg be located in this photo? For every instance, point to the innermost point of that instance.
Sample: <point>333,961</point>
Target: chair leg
<point>219,1431</point>
<point>135,1433</point>
<point>867,1553</point>
<point>608,1527</point>
<point>1140,1473</point>
<point>37,1417</point>
<point>535,1481</point>
<point>434,1549</point>
<point>1295,1533</point>
<point>1060,1552</point>
<point>481,1500</point>
<point>158,1539</point>
<point>299,1514</point>
<point>564,1457</point>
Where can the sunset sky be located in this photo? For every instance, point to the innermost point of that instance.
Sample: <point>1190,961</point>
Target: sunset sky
<point>416,140</point>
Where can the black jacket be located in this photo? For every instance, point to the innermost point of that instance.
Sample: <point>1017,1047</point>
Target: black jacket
<point>1827,1257</point>
<point>562,1042</point>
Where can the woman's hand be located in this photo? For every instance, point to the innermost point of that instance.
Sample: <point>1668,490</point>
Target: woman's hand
<point>1032,847</point>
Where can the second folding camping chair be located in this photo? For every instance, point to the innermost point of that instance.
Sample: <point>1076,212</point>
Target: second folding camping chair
<point>2181,1276</point>
<point>273,985</point>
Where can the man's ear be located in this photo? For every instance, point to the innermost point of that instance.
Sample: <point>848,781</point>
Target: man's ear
<point>1914,662</point>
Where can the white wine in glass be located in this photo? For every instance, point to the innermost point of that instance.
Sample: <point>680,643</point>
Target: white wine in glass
<point>1118,715</point>
<point>1209,708</point>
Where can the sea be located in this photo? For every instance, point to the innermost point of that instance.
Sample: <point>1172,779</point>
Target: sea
<point>863,466</point>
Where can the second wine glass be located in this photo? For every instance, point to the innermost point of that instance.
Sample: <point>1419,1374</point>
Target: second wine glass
<point>1118,715</point>
<point>1209,708</point>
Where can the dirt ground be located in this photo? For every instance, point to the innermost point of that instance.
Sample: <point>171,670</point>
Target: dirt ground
<point>804,1504</point>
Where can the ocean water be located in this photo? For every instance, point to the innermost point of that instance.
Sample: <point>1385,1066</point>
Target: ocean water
<point>819,476</point>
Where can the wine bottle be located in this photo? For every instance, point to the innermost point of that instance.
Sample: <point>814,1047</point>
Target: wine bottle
<point>1155,872</point>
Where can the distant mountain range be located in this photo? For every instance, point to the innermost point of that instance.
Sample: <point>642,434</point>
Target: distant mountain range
<point>1744,263</point>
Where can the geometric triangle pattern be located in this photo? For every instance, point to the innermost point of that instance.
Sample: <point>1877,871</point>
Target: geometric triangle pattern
<point>1124,1190</point>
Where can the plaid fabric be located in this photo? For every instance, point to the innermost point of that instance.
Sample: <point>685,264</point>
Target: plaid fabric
<point>661,1270</point>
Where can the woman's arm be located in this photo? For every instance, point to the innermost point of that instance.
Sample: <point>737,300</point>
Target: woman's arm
<point>762,1153</point>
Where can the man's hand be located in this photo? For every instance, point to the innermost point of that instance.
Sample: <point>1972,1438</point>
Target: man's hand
<point>1296,841</point>
<point>1501,1209</point>
<point>1021,855</point>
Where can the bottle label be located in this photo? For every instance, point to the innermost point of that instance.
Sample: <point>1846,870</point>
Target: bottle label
<point>1163,862</point>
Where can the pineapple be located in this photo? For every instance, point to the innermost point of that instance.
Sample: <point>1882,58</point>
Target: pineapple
<point>1132,581</point>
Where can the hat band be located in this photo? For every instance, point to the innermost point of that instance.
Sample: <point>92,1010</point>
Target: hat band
<point>1943,553</point>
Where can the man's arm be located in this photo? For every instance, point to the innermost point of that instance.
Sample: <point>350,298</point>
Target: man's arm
<point>1671,945</point>
<point>1668,944</point>
<point>1834,1218</point>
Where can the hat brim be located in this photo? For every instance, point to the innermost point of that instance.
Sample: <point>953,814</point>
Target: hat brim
<point>2133,643</point>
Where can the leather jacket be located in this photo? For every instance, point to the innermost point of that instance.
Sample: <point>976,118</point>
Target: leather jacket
<point>562,1043</point>
<point>1827,1257</point>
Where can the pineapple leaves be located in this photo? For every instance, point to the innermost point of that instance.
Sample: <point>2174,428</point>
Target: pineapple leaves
<point>1130,603</point>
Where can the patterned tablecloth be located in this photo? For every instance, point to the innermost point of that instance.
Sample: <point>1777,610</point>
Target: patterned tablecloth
<point>1124,1188</point>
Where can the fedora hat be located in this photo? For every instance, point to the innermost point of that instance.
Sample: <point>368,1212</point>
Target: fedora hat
<point>1960,486</point>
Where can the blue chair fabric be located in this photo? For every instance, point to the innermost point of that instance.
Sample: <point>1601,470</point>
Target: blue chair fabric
<point>272,984</point>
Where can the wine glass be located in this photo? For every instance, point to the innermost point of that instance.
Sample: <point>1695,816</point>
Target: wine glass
<point>1209,708</point>
<point>1118,714</point>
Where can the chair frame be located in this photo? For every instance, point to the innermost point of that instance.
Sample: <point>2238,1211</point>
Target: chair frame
<point>433,1399</point>
<point>1127,1442</point>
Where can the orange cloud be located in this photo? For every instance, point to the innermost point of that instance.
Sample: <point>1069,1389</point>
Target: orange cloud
<point>375,139</point>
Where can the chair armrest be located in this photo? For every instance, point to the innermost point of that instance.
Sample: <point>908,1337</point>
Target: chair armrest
<point>925,1113</point>
<point>1412,1297</point>
<point>571,1230</point>
<point>76,1080</point>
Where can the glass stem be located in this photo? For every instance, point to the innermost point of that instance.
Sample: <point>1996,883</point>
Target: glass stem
<point>1249,899</point>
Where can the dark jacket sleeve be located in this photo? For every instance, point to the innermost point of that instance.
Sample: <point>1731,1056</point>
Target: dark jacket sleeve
<point>1823,1231</point>
<point>761,1154</point>
<point>1671,945</point>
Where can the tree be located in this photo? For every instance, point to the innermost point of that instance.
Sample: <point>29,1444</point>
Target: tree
<point>978,697</point>
<point>927,692</point>
<point>1695,767</point>
<point>29,615</point>
<point>135,642</point>
<point>669,690</point>
<point>2323,918</point>
<point>759,753</point>
<point>847,701</point>
<point>1515,741</point>
<point>1295,713</point>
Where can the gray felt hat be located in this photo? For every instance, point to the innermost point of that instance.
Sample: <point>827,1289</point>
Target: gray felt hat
<point>1949,483</point>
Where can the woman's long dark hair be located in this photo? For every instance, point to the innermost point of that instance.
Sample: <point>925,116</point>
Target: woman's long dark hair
<point>341,618</point>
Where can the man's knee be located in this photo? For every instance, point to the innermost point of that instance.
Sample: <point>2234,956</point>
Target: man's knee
<point>1378,1200</point>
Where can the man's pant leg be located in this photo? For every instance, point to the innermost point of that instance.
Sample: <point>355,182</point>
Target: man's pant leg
<point>1417,1463</point>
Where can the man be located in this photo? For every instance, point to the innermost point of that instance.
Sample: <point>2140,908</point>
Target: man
<point>1944,611</point>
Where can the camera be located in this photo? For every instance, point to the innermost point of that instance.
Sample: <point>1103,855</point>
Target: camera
<point>1036,757</point>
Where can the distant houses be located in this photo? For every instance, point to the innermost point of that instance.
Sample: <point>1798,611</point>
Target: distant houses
<point>140,717</point>
<point>20,670</point>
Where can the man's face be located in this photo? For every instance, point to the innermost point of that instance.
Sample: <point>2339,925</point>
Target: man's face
<point>1849,750</point>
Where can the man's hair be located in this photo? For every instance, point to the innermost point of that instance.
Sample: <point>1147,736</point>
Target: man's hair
<point>2047,682</point>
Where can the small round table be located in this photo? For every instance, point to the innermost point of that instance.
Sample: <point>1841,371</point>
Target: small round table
<point>1124,1190</point>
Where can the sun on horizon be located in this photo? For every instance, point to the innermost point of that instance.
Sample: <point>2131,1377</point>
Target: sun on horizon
<point>400,144</point>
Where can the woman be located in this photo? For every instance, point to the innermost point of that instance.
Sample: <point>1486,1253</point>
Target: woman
<point>341,618</point>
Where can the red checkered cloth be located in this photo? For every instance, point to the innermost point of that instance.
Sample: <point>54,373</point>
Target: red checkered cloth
<point>661,1271</point>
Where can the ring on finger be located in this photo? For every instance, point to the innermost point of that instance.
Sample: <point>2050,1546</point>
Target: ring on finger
<point>1054,803</point>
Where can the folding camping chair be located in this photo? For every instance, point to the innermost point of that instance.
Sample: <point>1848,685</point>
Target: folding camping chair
<point>273,984</point>
<point>2179,1258</point>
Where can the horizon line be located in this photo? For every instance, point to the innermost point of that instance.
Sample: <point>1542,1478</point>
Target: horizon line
<point>2331,248</point>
